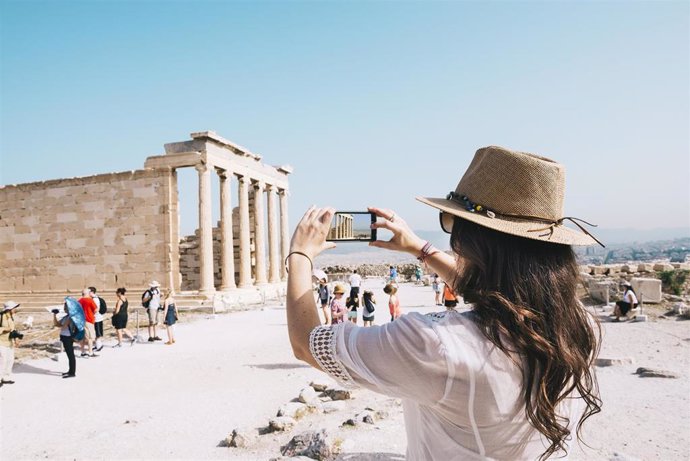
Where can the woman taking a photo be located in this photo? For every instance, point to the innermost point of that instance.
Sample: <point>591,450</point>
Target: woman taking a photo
<point>509,379</point>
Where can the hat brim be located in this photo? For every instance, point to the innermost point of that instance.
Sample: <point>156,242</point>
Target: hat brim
<point>5,309</point>
<point>521,228</point>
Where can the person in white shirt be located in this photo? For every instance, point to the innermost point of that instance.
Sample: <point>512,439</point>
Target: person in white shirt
<point>511,378</point>
<point>628,303</point>
<point>152,302</point>
<point>355,284</point>
<point>98,324</point>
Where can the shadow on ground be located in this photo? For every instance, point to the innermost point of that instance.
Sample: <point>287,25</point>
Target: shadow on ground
<point>370,457</point>
<point>26,368</point>
<point>278,366</point>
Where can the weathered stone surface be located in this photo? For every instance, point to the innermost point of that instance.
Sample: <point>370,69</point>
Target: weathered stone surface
<point>281,423</point>
<point>339,394</point>
<point>308,395</point>
<point>644,267</point>
<point>242,438</point>
<point>605,362</point>
<point>663,267</point>
<point>293,410</point>
<point>312,444</point>
<point>652,373</point>
<point>601,291</point>
<point>648,290</point>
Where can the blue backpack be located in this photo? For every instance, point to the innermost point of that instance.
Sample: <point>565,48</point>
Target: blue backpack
<point>76,315</point>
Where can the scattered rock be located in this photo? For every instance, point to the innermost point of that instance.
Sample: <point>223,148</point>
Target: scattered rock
<point>369,419</point>
<point>321,385</point>
<point>339,394</point>
<point>241,438</point>
<point>332,407</point>
<point>350,422</point>
<point>381,414</point>
<point>58,358</point>
<point>601,362</point>
<point>312,444</point>
<point>651,373</point>
<point>307,395</point>
<point>293,410</point>
<point>281,424</point>
<point>130,421</point>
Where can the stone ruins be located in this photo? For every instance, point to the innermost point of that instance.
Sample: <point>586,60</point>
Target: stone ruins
<point>342,227</point>
<point>122,229</point>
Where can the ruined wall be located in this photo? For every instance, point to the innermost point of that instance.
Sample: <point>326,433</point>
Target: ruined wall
<point>190,266</point>
<point>106,230</point>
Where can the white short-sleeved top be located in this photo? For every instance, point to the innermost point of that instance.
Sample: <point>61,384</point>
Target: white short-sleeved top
<point>461,394</point>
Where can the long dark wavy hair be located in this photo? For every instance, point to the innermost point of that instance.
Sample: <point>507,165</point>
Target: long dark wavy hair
<point>524,296</point>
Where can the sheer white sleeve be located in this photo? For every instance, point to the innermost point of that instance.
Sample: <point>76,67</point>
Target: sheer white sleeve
<point>404,358</point>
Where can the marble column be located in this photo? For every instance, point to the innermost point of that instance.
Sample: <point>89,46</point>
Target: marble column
<point>227,254</point>
<point>284,231</point>
<point>205,231</point>
<point>245,250</point>
<point>273,256</point>
<point>259,234</point>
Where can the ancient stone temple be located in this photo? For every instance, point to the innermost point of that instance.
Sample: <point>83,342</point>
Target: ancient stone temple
<point>122,229</point>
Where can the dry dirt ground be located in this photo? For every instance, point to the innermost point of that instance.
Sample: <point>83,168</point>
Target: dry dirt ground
<point>152,401</point>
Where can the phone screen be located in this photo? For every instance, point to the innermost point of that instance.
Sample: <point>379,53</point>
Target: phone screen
<point>352,226</point>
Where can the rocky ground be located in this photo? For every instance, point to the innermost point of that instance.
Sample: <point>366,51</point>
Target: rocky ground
<point>235,372</point>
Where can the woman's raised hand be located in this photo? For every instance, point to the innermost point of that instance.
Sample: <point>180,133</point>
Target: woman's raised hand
<point>311,232</point>
<point>403,238</point>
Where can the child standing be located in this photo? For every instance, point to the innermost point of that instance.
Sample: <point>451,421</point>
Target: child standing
<point>351,304</point>
<point>338,308</point>
<point>369,307</point>
<point>325,297</point>
<point>393,301</point>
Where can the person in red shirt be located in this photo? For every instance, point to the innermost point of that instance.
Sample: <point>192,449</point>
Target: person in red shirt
<point>89,308</point>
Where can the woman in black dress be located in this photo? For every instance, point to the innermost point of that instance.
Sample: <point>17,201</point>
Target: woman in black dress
<point>120,317</point>
<point>170,316</point>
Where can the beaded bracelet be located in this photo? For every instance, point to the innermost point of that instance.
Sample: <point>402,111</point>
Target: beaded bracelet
<point>297,253</point>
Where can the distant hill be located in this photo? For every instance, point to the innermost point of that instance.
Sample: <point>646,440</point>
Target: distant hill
<point>614,239</point>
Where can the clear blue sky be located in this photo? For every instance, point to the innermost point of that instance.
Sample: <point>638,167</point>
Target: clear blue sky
<point>370,102</point>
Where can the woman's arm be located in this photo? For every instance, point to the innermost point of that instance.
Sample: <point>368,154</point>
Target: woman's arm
<point>309,238</point>
<point>406,241</point>
<point>55,321</point>
<point>118,303</point>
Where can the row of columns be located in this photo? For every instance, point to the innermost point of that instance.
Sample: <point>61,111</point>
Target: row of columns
<point>276,252</point>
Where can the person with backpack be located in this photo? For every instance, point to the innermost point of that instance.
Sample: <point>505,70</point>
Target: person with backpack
<point>450,299</point>
<point>369,308</point>
<point>151,300</point>
<point>325,297</point>
<point>101,309</point>
<point>66,330</point>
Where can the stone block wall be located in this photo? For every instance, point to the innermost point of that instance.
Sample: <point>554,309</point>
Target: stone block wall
<point>106,230</point>
<point>190,265</point>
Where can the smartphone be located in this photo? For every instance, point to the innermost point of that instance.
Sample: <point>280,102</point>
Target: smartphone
<point>352,226</point>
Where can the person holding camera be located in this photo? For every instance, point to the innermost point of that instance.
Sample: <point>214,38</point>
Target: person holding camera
<point>9,338</point>
<point>64,323</point>
<point>512,378</point>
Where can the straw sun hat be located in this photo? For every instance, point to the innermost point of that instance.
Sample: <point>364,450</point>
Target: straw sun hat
<point>516,193</point>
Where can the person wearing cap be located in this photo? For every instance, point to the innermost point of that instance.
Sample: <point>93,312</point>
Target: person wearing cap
<point>6,342</point>
<point>512,377</point>
<point>90,309</point>
<point>151,300</point>
<point>337,306</point>
<point>628,302</point>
